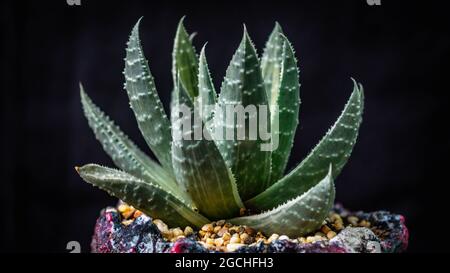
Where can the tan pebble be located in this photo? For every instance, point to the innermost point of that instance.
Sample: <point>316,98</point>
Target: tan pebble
<point>364,223</point>
<point>353,220</point>
<point>210,241</point>
<point>168,234</point>
<point>202,233</point>
<point>226,236</point>
<point>325,229</point>
<point>122,207</point>
<point>217,229</point>
<point>128,212</point>
<point>177,232</point>
<point>273,237</point>
<point>218,242</point>
<point>127,222</point>
<point>310,239</point>
<point>235,239</point>
<point>228,225</point>
<point>213,236</point>
<point>331,234</point>
<point>295,241</point>
<point>188,231</point>
<point>161,225</point>
<point>319,238</point>
<point>222,231</point>
<point>241,230</point>
<point>246,239</point>
<point>221,248</point>
<point>207,235</point>
<point>338,223</point>
<point>137,213</point>
<point>234,247</point>
<point>302,240</point>
<point>208,228</point>
<point>321,234</point>
<point>220,222</point>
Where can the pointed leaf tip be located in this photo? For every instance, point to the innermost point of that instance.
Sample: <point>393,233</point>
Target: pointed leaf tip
<point>184,60</point>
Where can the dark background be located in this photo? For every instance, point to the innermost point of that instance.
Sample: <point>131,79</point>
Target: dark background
<point>397,52</point>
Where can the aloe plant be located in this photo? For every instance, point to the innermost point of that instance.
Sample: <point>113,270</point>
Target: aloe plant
<point>197,181</point>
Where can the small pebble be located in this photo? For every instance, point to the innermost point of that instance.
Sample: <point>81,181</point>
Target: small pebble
<point>273,237</point>
<point>137,213</point>
<point>127,222</point>
<point>235,239</point>
<point>364,223</point>
<point>126,211</point>
<point>161,225</point>
<point>188,231</point>
<point>226,236</point>
<point>208,228</point>
<point>218,242</point>
<point>353,220</point>
<point>222,231</point>
<point>283,237</point>
<point>246,239</point>
<point>217,229</point>
<point>320,234</point>
<point>177,232</point>
<point>234,247</point>
<point>331,234</point>
<point>325,229</point>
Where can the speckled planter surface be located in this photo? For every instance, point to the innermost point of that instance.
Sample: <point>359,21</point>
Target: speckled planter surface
<point>142,236</point>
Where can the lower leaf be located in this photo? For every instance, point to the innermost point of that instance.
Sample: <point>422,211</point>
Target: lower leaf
<point>297,217</point>
<point>143,195</point>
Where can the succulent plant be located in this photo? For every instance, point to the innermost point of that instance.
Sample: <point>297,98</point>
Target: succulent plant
<point>198,181</point>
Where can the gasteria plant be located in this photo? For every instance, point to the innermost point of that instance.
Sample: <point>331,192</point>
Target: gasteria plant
<point>199,180</point>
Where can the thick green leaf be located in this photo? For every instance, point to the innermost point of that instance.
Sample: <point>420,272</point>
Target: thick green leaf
<point>144,195</point>
<point>285,98</point>
<point>243,86</point>
<point>296,217</point>
<point>271,64</point>
<point>335,148</point>
<point>184,61</point>
<point>198,164</point>
<point>125,154</point>
<point>144,101</point>
<point>207,94</point>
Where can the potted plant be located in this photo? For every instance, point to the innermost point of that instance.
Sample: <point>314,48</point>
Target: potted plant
<point>212,194</point>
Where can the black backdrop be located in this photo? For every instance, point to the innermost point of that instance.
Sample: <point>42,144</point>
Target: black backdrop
<point>397,52</point>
